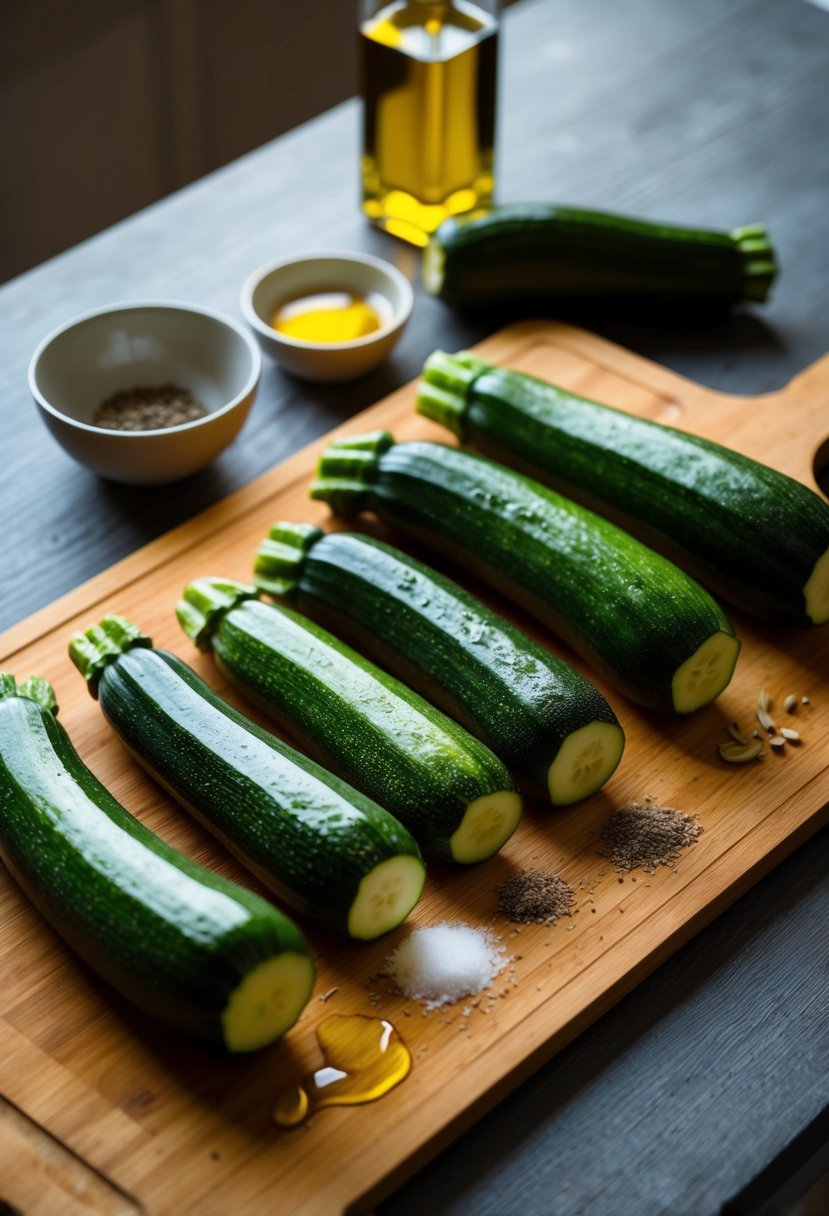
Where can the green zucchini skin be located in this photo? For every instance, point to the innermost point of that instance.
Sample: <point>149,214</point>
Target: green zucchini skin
<point>356,719</point>
<point>306,834</point>
<point>548,254</point>
<point>522,701</point>
<point>750,533</point>
<point>169,935</point>
<point>633,615</point>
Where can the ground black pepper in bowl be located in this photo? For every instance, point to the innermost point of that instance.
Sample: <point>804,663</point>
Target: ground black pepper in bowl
<point>146,408</point>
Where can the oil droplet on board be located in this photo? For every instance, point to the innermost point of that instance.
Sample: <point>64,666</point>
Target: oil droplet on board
<point>332,316</point>
<point>364,1058</point>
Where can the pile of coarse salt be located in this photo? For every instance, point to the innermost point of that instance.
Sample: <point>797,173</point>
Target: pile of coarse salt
<point>441,963</point>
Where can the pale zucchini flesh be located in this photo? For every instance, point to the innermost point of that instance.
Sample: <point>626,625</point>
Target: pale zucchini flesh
<point>816,592</point>
<point>702,677</point>
<point>584,762</point>
<point>421,626</point>
<point>267,1002</point>
<point>385,897</point>
<point>487,824</point>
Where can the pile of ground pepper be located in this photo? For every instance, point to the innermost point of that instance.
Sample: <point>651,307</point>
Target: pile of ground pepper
<point>535,897</point>
<point>148,409</point>
<point>642,836</point>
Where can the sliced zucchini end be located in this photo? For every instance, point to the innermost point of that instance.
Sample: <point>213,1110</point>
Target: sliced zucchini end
<point>434,266</point>
<point>816,591</point>
<point>487,824</point>
<point>704,675</point>
<point>584,762</point>
<point>268,1001</point>
<point>386,896</point>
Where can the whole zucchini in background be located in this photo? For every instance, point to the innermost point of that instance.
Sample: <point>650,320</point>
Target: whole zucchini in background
<point>454,795</point>
<point>649,628</point>
<point>324,848</point>
<point>545,721</point>
<point>755,536</point>
<point>550,255</point>
<point>190,948</point>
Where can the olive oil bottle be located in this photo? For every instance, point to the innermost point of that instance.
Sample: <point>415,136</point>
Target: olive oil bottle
<point>428,77</point>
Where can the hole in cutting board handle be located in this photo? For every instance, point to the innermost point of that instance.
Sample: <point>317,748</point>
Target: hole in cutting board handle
<point>820,466</point>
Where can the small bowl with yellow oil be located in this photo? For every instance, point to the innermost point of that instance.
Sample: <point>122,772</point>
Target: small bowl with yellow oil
<point>327,316</point>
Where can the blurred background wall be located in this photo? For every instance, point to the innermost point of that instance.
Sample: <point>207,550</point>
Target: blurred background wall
<point>108,105</point>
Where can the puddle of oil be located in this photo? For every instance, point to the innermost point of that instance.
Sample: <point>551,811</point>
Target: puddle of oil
<point>364,1058</point>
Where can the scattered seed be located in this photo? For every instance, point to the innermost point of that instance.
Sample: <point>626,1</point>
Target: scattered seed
<point>326,996</point>
<point>735,754</point>
<point>737,735</point>
<point>763,700</point>
<point>793,736</point>
<point>805,701</point>
<point>766,721</point>
<point>790,704</point>
<point>755,734</point>
<point>777,742</point>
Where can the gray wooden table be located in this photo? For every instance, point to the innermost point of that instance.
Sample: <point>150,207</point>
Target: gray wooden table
<point>706,1084</point>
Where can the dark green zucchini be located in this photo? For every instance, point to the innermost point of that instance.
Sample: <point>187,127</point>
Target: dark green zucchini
<point>455,796</point>
<point>551,255</point>
<point>545,721</point>
<point>650,629</point>
<point>324,848</point>
<point>756,537</point>
<point>190,948</point>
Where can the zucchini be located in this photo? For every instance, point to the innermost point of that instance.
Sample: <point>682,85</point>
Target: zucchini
<point>651,630</point>
<point>454,795</point>
<point>545,721</point>
<point>756,537</point>
<point>551,255</point>
<point>325,849</point>
<point>192,949</point>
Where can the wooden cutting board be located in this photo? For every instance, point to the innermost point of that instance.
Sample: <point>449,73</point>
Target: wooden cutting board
<point>103,1112</point>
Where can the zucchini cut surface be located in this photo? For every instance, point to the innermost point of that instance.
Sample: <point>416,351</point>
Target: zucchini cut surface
<point>181,943</point>
<point>487,824</point>
<point>385,897</point>
<point>631,613</point>
<point>522,701</point>
<point>355,719</point>
<point>582,762</point>
<point>306,834</point>
<point>262,1008</point>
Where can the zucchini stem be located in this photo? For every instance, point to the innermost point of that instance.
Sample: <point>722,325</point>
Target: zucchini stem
<point>281,556</point>
<point>346,471</point>
<point>443,393</point>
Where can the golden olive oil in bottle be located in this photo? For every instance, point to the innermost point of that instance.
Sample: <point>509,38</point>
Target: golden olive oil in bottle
<point>429,77</point>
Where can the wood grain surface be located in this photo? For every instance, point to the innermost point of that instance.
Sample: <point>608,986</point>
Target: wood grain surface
<point>179,1129</point>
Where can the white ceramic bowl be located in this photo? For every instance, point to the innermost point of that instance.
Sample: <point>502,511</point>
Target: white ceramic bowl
<point>308,274</point>
<point>113,349</point>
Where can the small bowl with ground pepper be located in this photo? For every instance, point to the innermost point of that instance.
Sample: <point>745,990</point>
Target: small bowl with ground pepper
<point>145,393</point>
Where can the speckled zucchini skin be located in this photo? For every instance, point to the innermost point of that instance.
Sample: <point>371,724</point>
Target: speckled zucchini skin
<point>519,698</point>
<point>171,936</point>
<point>379,734</point>
<point>632,614</point>
<point>304,832</point>
<point>747,531</point>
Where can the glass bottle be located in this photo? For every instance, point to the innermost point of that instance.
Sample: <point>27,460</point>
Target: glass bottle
<point>428,83</point>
